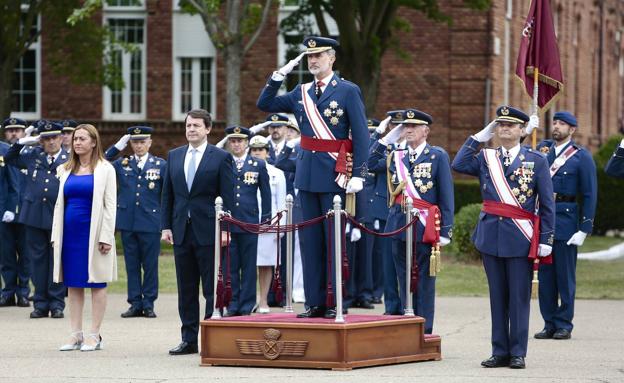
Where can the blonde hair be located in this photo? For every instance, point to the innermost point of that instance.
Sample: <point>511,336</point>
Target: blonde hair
<point>96,155</point>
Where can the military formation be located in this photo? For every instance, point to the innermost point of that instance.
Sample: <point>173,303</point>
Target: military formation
<point>319,143</point>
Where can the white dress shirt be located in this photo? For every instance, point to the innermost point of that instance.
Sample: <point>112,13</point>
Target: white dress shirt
<point>513,152</point>
<point>198,156</point>
<point>559,148</point>
<point>140,160</point>
<point>418,150</point>
<point>325,80</point>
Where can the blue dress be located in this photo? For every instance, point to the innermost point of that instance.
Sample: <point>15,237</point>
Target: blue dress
<point>78,193</point>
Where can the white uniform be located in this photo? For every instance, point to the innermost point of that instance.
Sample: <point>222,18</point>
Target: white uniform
<point>267,243</point>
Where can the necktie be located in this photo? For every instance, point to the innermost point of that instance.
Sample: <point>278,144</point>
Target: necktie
<point>190,171</point>
<point>139,163</point>
<point>50,159</point>
<point>319,92</point>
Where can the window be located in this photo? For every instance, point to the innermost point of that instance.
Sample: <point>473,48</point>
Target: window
<point>194,84</point>
<point>127,102</point>
<point>26,82</point>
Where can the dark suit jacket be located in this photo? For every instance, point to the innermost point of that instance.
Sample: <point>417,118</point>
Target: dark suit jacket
<point>214,178</point>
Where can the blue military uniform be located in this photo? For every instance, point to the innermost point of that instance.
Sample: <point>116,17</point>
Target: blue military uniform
<point>36,214</point>
<point>503,247</point>
<point>575,177</point>
<point>14,263</point>
<point>385,280</point>
<point>341,109</point>
<point>615,166</point>
<point>250,176</point>
<point>431,174</point>
<point>139,183</point>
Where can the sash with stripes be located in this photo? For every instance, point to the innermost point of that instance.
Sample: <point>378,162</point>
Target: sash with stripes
<point>562,159</point>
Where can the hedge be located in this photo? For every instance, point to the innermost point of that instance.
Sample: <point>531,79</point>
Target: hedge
<point>463,227</point>
<point>466,192</point>
<point>610,207</point>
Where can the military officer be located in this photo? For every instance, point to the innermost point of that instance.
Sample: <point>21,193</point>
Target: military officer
<point>615,166</point>
<point>385,280</point>
<point>573,173</point>
<point>139,178</point>
<point>422,172</point>
<point>14,262</point>
<point>334,148</point>
<point>36,212</point>
<point>251,176</point>
<point>512,178</point>
<point>68,130</point>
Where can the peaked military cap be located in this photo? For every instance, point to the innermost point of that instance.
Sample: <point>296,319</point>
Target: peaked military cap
<point>278,119</point>
<point>14,123</point>
<point>258,141</point>
<point>566,117</point>
<point>415,116</point>
<point>318,44</point>
<point>372,123</point>
<point>396,116</point>
<point>293,124</point>
<point>49,129</point>
<point>68,125</point>
<point>510,114</point>
<point>237,131</point>
<point>140,132</point>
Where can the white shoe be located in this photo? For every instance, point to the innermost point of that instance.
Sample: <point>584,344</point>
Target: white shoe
<point>98,346</point>
<point>77,336</point>
<point>263,310</point>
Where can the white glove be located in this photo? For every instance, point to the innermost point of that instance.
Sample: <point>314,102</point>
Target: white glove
<point>376,224</point>
<point>355,234</point>
<point>283,71</point>
<point>544,250</point>
<point>259,127</point>
<point>294,142</point>
<point>355,184</point>
<point>532,124</point>
<point>486,133</point>
<point>577,239</point>
<point>444,241</point>
<point>28,140</point>
<point>123,142</point>
<point>393,136</point>
<point>221,144</point>
<point>8,216</point>
<point>622,143</point>
<point>28,131</point>
<point>383,125</point>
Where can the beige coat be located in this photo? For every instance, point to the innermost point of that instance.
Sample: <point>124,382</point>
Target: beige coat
<point>102,268</point>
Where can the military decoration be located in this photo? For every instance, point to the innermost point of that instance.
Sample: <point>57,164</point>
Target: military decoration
<point>422,176</point>
<point>250,178</point>
<point>124,162</point>
<point>333,112</point>
<point>151,185</point>
<point>545,149</point>
<point>1,161</point>
<point>524,174</point>
<point>152,174</point>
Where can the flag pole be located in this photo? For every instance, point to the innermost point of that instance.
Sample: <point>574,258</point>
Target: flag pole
<point>535,282</point>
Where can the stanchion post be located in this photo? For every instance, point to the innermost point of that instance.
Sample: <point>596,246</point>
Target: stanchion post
<point>337,256</point>
<point>409,310</point>
<point>217,256</point>
<point>289,254</point>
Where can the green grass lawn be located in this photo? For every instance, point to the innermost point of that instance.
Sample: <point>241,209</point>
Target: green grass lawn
<point>599,243</point>
<point>595,279</point>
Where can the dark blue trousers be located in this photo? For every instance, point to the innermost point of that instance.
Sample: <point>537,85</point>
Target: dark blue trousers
<point>424,298</point>
<point>509,281</point>
<point>360,282</point>
<point>141,251</point>
<point>557,287</point>
<point>243,254</point>
<point>14,263</point>
<point>374,246</point>
<point>313,241</point>
<point>48,295</point>
<point>383,248</point>
<point>193,263</point>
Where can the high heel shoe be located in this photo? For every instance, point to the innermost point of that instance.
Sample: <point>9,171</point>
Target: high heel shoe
<point>77,337</point>
<point>98,346</point>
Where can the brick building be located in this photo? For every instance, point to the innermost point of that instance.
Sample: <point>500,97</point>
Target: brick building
<point>458,73</point>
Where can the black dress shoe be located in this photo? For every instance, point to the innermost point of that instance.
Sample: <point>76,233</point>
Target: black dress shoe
<point>184,348</point>
<point>57,314</point>
<point>7,300</point>
<point>496,361</point>
<point>37,313</point>
<point>330,313</point>
<point>231,314</point>
<point>517,362</point>
<point>149,313</point>
<point>376,300</point>
<point>313,312</point>
<point>562,334</point>
<point>23,302</point>
<point>544,334</point>
<point>393,313</point>
<point>132,313</point>
<point>365,304</point>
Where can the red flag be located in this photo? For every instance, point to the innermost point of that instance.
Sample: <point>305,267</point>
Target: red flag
<point>538,49</point>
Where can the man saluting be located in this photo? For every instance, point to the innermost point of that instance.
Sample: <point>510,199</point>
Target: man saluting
<point>512,178</point>
<point>334,150</point>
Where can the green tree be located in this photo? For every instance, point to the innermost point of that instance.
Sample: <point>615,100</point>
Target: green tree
<point>74,51</point>
<point>367,29</point>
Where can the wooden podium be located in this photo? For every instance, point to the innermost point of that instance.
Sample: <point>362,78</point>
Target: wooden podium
<point>282,340</point>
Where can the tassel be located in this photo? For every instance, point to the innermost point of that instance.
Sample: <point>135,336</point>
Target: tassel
<point>329,302</point>
<point>438,259</point>
<point>534,285</point>
<point>433,263</point>
<point>220,292</point>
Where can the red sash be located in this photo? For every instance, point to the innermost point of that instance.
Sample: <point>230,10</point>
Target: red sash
<point>342,147</point>
<point>431,234</point>
<point>502,209</point>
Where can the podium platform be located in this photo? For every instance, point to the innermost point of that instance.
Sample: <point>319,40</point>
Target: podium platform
<point>283,340</point>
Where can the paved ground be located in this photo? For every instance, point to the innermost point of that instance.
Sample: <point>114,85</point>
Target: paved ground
<point>136,350</point>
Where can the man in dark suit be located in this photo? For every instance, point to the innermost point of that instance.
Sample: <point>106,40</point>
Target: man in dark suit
<point>196,174</point>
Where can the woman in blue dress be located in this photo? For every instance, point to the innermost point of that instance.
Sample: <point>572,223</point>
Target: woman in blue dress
<point>83,234</point>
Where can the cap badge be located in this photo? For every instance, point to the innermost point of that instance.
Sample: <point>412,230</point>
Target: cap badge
<point>505,111</point>
<point>275,117</point>
<point>12,121</point>
<point>312,43</point>
<point>47,126</point>
<point>137,131</point>
<point>410,114</point>
<point>65,123</point>
<point>237,130</point>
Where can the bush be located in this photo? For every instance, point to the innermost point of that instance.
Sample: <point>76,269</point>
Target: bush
<point>465,223</point>
<point>466,193</point>
<point>610,209</point>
